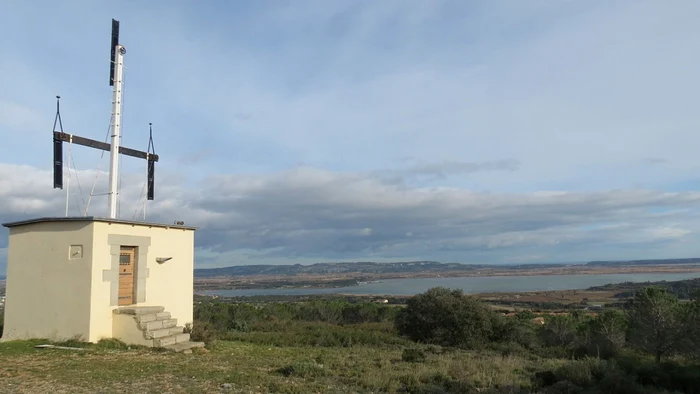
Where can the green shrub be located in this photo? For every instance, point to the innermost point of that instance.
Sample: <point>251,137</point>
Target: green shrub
<point>605,376</point>
<point>111,344</point>
<point>434,349</point>
<point>203,331</point>
<point>582,373</point>
<point>294,333</point>
<point>303,369</point>
<point>667,375</point>
<point>413,355</point>
<point>437,383</point>
<point>76,341</point>
<point>514,330</point>
<point>446,317</point>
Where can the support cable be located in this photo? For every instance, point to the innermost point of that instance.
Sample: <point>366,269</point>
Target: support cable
<point>99,163</point>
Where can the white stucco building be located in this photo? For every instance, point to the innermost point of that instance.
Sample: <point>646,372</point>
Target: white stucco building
<point>94,278</point>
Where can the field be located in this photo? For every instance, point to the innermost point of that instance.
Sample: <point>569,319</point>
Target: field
<point>553,299</point>
<point>239,367</point>
<point>339,345</point>
<point>287,360</point>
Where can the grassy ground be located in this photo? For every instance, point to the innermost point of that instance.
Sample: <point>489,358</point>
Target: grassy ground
<point>240,367</point>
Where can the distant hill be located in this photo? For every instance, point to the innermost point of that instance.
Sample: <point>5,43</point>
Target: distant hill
<point>358,267</point>
<point>693,260</point>
<point>404,267</point>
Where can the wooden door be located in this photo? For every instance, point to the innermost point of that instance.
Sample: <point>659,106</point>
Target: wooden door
<point>127,269</point>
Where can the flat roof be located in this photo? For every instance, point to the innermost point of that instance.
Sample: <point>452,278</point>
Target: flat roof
<point>94,219</point>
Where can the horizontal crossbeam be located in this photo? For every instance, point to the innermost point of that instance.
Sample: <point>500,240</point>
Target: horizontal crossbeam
<point>59,136</point>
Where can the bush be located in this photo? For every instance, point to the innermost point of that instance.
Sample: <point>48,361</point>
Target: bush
<point>446,317</point>
<point>240,316</point>
<point>413,355</point>
<point>601,376</point>
<point>516,331</point>
<point>112,344</point>
<point>437,383</point>
<point>670,376</point>
<point>203,331</point>
<point>291,333</point>
<point>303,369</point>
<point>605,334</point>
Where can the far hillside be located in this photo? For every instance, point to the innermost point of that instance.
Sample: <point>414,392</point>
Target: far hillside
<point>602,263</point>
<point>346,268</point>
<point>412,267</point>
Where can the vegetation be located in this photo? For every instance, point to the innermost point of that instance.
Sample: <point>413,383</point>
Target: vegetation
<point>647,346</point>
<point>446,317</point>
<point>441,341</point>
<point>683,289</point>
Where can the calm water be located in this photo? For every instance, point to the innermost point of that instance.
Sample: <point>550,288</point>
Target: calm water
<point>470,285</point>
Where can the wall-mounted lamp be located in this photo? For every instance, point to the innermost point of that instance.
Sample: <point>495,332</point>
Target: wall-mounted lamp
<point>161,260</point>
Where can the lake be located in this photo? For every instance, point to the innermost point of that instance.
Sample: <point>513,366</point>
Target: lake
<point>488,284</point>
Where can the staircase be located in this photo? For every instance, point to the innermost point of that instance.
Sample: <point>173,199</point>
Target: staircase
<point>151,326</point>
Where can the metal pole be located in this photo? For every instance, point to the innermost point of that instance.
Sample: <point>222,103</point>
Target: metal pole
<point>116,126</point>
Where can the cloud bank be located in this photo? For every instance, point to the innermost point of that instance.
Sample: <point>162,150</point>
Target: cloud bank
<point>308,214</point>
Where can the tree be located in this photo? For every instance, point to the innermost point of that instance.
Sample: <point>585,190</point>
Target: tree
<point>559,330</point>
<point>653,321</point>
<point>689,316</point>
<point>445,317</point>
<point>606,333</point>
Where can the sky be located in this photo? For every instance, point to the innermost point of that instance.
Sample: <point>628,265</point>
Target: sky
<point>360,130</point>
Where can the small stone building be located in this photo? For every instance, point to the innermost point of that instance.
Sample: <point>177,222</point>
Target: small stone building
<point>91,278</point>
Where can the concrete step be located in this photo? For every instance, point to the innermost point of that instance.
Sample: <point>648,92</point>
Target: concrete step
<point>164,332</point>
<point>157,324</point>
<point>184,347</point>
<point>171,340</point>
<point>138,310</point>
<point>152,317</point>
<point>169,323</point>
<point>182,337</point>
<point>177,330</point>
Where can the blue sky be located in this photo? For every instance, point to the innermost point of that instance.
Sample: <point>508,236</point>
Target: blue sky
<point>304,131</point>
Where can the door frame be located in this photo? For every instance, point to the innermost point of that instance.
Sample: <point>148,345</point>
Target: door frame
<point>133,252</point>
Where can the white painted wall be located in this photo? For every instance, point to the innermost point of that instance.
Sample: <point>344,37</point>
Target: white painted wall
<point>169,284</point>
<point>48,294</point>
<point>126,329</point>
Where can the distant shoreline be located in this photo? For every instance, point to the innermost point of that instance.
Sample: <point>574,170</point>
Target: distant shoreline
<point>355,279</point>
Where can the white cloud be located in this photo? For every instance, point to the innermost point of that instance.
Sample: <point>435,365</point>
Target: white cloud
<point>309,214</point>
